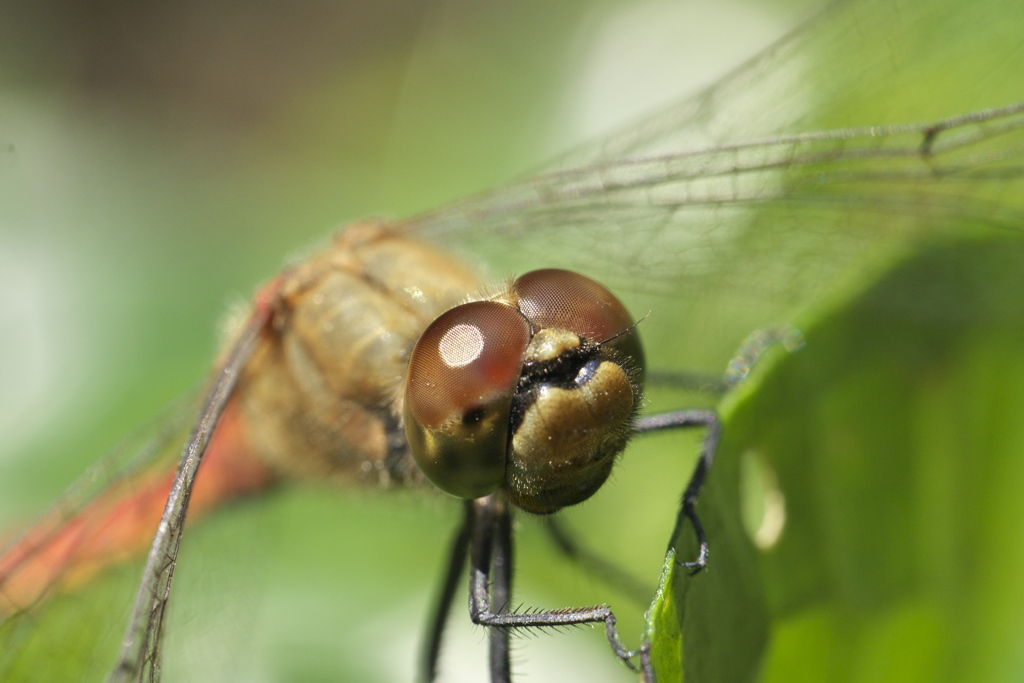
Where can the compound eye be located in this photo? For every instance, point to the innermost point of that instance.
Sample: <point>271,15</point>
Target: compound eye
<point>569,301</point>
<point>458,394</point>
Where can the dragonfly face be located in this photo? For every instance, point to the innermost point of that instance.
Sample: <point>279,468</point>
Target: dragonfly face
<point>524,397</point>
<point>490,388</point>
<point>736,236</point>
<point>532,391</point>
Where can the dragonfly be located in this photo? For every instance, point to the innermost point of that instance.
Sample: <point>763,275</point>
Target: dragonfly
<point>913,171</point>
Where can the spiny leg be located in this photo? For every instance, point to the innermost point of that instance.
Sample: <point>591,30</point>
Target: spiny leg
<point>491,550</point>
<point>140,649</point>
<point>488,604</point>
<point>690,382</point>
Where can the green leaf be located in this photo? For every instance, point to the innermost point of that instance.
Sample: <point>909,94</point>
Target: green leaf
<point>139,196</point>
<point>894,439</point>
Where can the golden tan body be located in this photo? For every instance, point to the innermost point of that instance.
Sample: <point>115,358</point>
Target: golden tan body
<point>321,396</point>
<point>317,400</point>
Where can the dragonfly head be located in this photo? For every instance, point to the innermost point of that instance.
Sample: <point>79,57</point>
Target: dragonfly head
<point>533,391</point>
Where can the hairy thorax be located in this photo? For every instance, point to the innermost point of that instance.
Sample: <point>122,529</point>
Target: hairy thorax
<point>321,397</point>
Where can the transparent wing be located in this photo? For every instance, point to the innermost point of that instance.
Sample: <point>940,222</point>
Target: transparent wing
<point>746,233</point>
<point>741,233</point>
<point>64,547</point>
<point>140,652</point>
<point>145,450</point>
<point>110,515</point>
<point>709,216</point>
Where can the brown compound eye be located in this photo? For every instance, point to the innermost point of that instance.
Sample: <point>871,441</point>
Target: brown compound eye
<point>458,394</point>
<point>562,299</point>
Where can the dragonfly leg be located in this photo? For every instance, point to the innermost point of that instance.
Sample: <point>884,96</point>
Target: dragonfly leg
<point>681,419</point>
<point>742,362</point>
<point>740,365</point>
<point>754,346</point>
<point>457,554</point>
<point>501,594</point>
<point>489,590</point>
<point>691,382</point>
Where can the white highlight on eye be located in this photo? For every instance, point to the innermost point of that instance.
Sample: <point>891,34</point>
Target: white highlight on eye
<point>461,345</point>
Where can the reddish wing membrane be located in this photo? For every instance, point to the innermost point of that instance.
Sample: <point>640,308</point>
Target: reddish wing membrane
<point>53,552</point>
<point>921,161</point>
<point>140,653</point>
<point>913,168</point>
<point>670,180</point>
<point>109,516</point>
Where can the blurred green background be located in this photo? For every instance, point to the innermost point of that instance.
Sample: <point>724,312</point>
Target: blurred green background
<point>159,162</point>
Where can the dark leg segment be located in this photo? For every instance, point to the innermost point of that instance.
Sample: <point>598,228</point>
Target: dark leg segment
<point>491,515</point>
<point>501,595</point>
<point>742,362</point>
<point>682,419</point>
<point>457,555</point>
